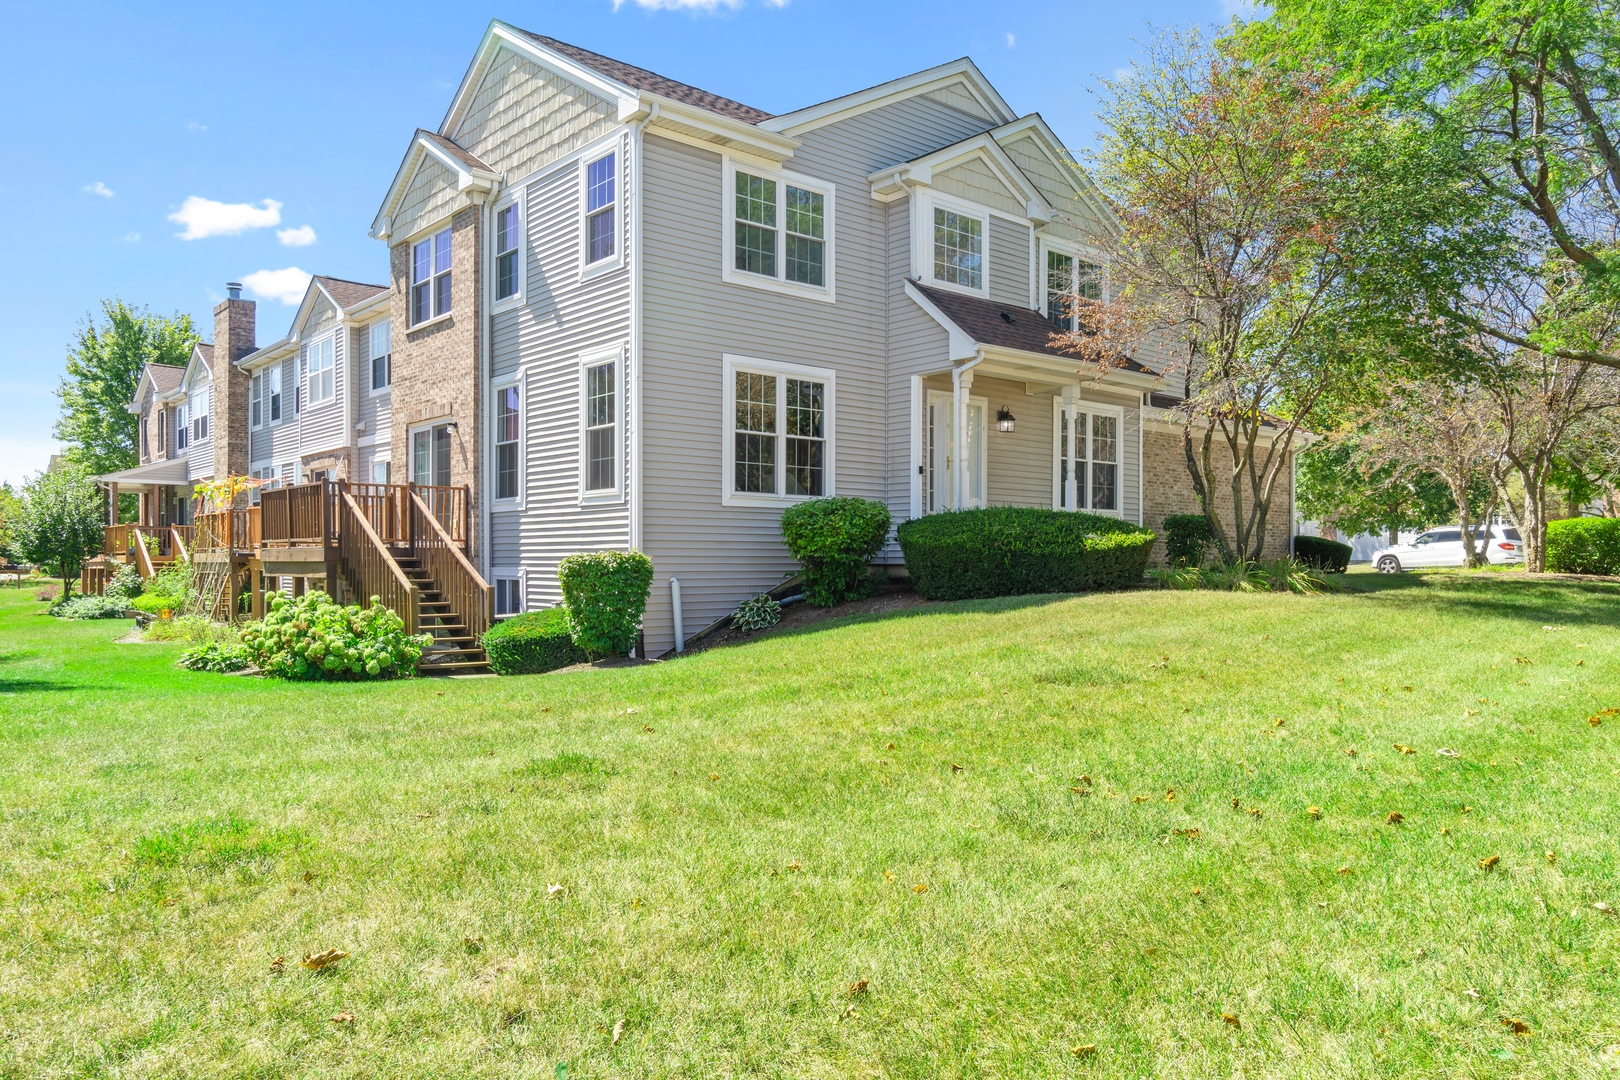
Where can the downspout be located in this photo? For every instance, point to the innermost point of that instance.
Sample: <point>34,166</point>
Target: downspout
<point>486,368</point>
<point>959,404</point>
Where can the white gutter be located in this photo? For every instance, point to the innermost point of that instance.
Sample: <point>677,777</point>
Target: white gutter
<point>638,145</point>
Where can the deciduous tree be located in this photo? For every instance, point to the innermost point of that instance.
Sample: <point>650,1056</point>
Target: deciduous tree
<point>60,523</point>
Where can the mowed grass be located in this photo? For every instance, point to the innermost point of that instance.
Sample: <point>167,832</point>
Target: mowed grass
<point>741,835</point>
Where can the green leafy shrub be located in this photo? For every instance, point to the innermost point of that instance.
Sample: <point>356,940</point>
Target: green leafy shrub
<point>604,597</point>
<point>167,590</point>
<point>1186,539</point>
<point>1583,545</point>
<point>312,637</point>
<point>91,607</point>
<point>215,657</point>
<point>193,629</point>
<point>532,643</point>
<point>1010,551</point>
<point>832,539</point>
<point>1319,553</point>
<point>757,613</point>
<point>47,593</point>
<point>125,584</point>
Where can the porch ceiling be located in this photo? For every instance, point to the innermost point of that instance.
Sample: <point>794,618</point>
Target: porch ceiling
<point>171,471</point>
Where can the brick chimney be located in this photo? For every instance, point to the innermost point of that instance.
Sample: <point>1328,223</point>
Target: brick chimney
<point>233,339</point>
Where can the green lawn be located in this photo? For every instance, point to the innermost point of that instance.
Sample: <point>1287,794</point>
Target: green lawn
<point>741,835</point>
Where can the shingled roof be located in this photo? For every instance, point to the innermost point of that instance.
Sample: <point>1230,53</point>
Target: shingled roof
<point>1007,326</point>
<point>349,293</point>
<point>454,149</point>
<point>167,377</point>
<point>653,83</point>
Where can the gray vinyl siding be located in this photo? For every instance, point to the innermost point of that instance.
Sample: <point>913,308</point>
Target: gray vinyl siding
<point>918,345</point>
<point>723,554</point>
<point>372,413</point>
<point>323,426</point>
<point>275,443</point>
<point>564,314</point>
<point>200,452</point>
<point>1009,262</point>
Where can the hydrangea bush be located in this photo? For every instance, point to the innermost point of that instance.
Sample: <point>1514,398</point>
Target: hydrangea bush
<point>313,637</point>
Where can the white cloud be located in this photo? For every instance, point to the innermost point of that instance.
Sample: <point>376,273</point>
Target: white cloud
<point>1125,74</point>
<point>1011,40</point>
<point>205,217</point>
<point>98,188</point>
<point>285,285</point>
<point>192,125</point>
<point>303,236</point>
<point>132,237</point>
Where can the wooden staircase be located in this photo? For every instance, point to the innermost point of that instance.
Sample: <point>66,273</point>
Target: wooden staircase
<point>455,649</point>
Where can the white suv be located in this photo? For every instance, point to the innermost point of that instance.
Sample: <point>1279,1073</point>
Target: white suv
<point>1444,547</point>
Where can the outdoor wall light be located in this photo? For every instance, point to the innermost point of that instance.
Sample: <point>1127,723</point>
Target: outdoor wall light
<point>1004,419</point>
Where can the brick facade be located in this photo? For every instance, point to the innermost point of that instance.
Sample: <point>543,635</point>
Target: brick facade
<point>437,369</point>
<point>1167,489</point>
<point>234,336</point>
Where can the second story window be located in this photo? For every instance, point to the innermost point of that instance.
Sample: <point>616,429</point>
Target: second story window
<point>430,278</point>
<point>958,249</point>
<point>507,417</point>
<point>506,251</point>
<point>199,414</point>
<point>180,431</point>
<point>382,374</point>
<point>779,230</point>
<point>256,401</point>
<point>146,449</point>
<point>322,377</point>
<point>272,390</point>
<point>1067,278</point>
<point>601,199</point>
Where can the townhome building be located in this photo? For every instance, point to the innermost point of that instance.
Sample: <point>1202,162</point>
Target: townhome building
<point>633,314</point>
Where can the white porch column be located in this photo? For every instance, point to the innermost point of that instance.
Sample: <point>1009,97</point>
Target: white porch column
<point>961,384</point>
<point>112,503</point>
<point>1071,483</point>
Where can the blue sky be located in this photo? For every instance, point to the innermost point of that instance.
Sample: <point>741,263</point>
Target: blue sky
<point>157,151</point>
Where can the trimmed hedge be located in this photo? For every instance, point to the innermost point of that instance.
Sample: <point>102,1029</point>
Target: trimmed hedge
<point>1585,545</point>
<point>832,539</point>
<point>1319,553</point>
<point>532,643</point>
<point>604,597</point>
<point>1011,551</point>
<point>1186,539</point>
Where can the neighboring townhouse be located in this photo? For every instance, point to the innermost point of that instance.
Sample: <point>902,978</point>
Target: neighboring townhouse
<point>629,313</point>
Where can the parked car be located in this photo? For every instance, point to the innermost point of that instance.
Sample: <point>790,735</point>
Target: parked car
<point>1444,547</point>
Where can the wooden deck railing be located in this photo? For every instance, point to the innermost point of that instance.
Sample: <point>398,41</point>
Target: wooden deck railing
<point>371,569</point>
<point>93,579</point>
<point>143,552</point>
<point>115,539</point>
<point>470,596</point>
<point>180,537</point>
<point>386,507</point>
<point>449,507</point>
<point>221,530</point>
<point>299,516</point>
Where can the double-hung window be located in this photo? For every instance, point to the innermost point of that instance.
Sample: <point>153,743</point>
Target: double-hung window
<point>508,420</point>
<point>180,428</point>
<point>322,376</point>
<point>256,400</point>
<point>1088,453</point>
<point>779,230</point>
<point>780,439</point>
<point>198,410</point>
<point>599,448</point>
<point>272,380</point>
<point>430,278</point>
<point>601,203</point>
<point>382,374</point>
<point>1069,278</point>
<point>507,247</point>
<point>958,248</point>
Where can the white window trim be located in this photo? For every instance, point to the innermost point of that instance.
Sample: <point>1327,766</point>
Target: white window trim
<point>370,343</point>
<point>307,370</point>
<point>827,293</point>
<point>384,458</point>
<point>1118,412</point>
<point>205,394</point>
<point>410,443</point>
<point>515,501</point>
<point>513,573</point>
<point>613,262</point>
<point>429,233</point>
<point>1078,252</point>
<point>923,239</point>
<point>616,492</point>
<point>730,364</point>
<point>514,199</point>
<point>256,390</point>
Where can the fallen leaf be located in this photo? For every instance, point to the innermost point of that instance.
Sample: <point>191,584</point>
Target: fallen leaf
<point>1197,890</point>
<point>1083,1050</point>
<point>889,747</point>
<point>1345,870</point>
<point>278,965</point>
<point>857,988</point>
<point>1231,1020</point>
<point>920,887</point>
<point>1236,803</point>
<point>646,728</point>
<point>794,867</point>
<point>1081,790</point>
<point>1084,779</point>
<point>1403,748</point>
<point>1521,660</point>
<point>618,1031</point>
<point>1446,751</point>
<point>1475,994</point>
<point>1445,831</point>
<point>343,1018</point>
<point>1170,795</point>
<point>1552,856</point>
<point>1464,808</point>
<point>714,776</point>
<point>317,961</point>
<point>1314,811</point>
<point>1277,722</point>
<point>955,768</point>
<point>1191,834</point>
<point>1394,817</point>
<point>888,875</point>
<point>554,889</point>
<point>1255,811</point>
<point>1602,908</point>
<point>167,901</point>
<point>1350,751</point>
<point>472,942</point>
<point>1139,798</point>
<point>1518,1027</point>
<point>1489,862</point>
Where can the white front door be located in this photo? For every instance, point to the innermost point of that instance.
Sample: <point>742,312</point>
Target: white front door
<point>939,428</point>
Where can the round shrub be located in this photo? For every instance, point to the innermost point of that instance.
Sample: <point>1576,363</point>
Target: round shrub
<point>832,539</point>
<point>531,643</point>
<point>1186,539</point>
<point>604,597</point>
<point>1586,545</point>
<point>1010,551</point>
<point>1318,553</point>
<point>757,613</point>
<point>313,637</point>
<point>91,607</point>
<point>215,657</point>
<point>125,584</point>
